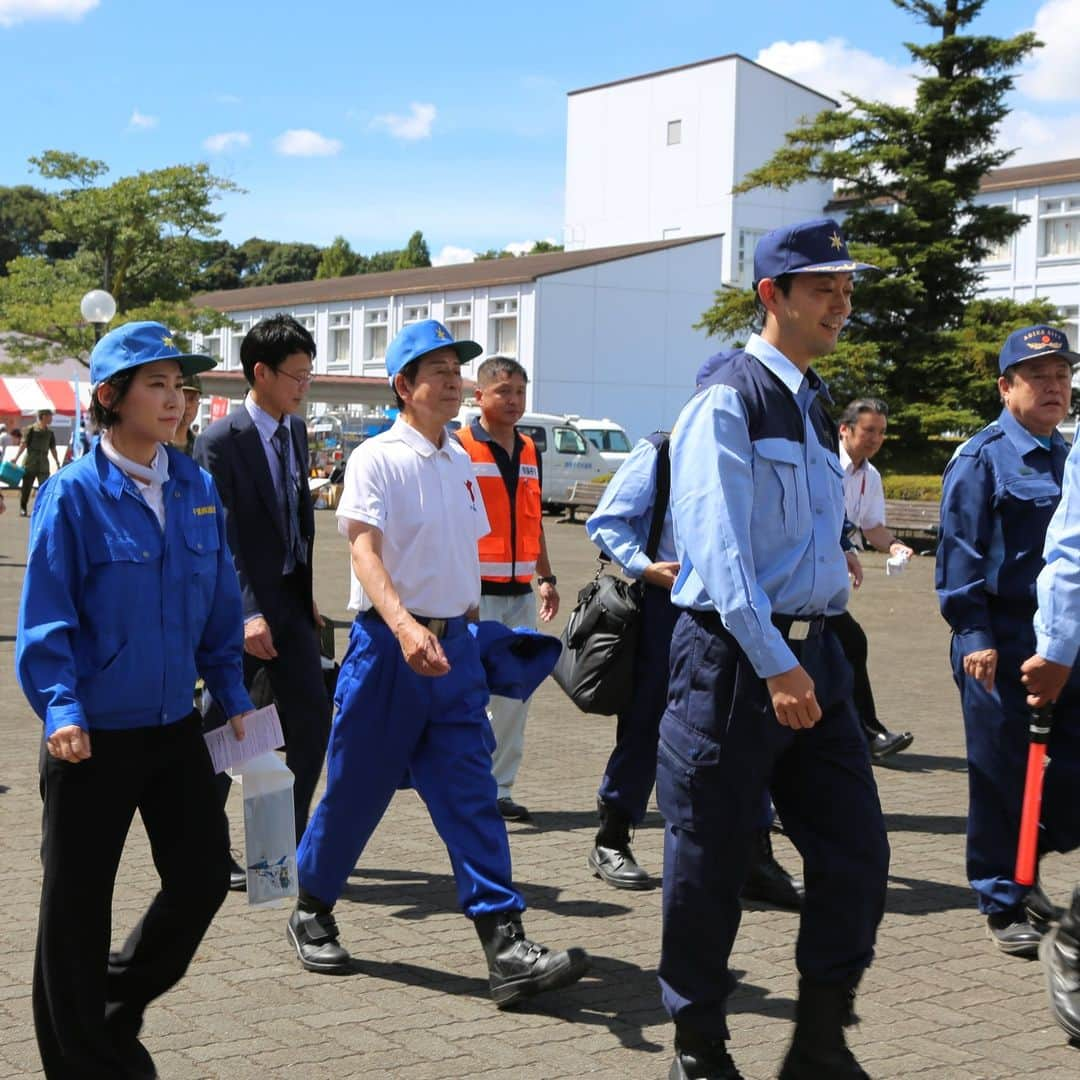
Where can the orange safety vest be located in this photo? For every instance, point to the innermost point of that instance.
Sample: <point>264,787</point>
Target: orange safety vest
<point>509,552</point>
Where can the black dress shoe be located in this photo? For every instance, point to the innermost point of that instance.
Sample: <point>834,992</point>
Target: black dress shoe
<point>884,743</point>
<point>698,1058</point>
<point>1041,911</point>
<point>1011,932</point>
<point>618,867</point>
<point>315,937</point>
<point>512,811</point>
<point>818,1049</point>
<point>237,875</point>
<point>1059,952</point>
<point>519,968</point>
<point>768,882</point>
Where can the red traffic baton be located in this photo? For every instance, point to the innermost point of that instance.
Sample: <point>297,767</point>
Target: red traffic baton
<point>1027,849</point>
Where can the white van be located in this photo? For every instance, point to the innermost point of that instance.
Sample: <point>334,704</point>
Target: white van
<point>566,456</point>
<point>607,436</point>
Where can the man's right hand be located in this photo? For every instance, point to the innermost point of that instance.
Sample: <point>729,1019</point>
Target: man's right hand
<point>69,743</point>
<point>421,649</point>
<point>793,698</point>
<point>258,641</point>
<point>981,665</point>
<point>661,574</point>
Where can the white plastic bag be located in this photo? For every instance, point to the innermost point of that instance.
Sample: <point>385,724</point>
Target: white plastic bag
<point>269,830</point>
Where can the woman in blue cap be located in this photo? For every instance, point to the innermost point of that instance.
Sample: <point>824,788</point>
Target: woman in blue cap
<point>129,592</point>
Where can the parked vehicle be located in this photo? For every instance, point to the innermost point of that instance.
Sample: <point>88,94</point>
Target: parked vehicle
<point>607,436</point>
<point>566,456</point>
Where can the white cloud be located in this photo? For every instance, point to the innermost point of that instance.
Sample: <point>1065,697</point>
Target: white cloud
<point>302,142</point>
<point>452,256</point>
<point>17,11</point>
<point>1053,73</point>
<point>227,140</point>
<point>141,122</point>
<point>417,125</point>
<point>523,247</point>
<point>1039,138</point>
<point>833,67</point>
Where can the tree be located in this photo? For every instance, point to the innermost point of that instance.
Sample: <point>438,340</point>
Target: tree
<point>24,221</point>
<point>416,253</point>
<point>909,180</point>
<point>286,262</point>
<point>338,260</point>
<point>542,247</point>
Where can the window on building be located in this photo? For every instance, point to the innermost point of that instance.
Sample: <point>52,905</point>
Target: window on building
<point>670,234</point>
<point>503,336</point>
<point>236,339</point>
<point>307,322</point>
<point>375,332</point>
<point>1071,314</point>
<point>340,350</point>
<point>211,344</point>
<point>416,313</point>
<point>744,256</point>
<point>1059,226</point>
<point>1000,253</point>
<point>459,320</point>
<point>674,132</point>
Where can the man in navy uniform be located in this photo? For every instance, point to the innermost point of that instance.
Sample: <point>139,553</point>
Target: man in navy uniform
<point>1000,491</point>
<point>760,691</point>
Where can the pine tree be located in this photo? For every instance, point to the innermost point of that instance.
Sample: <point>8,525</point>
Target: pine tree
<point>909,179</point>
<point>338,260</point>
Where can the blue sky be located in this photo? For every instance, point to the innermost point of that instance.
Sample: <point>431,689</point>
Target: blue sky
<point>372,120</point>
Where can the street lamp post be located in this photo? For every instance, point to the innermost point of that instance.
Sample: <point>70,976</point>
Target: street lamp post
<point>98,308</point>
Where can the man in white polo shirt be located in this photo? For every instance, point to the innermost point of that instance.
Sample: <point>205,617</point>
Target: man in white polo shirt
<point>411,696</point>
<point>862,431</point>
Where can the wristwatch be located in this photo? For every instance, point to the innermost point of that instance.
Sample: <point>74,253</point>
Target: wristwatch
<point>552,580</point>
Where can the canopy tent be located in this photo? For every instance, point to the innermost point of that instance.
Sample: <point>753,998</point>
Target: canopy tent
<point>23,396</point>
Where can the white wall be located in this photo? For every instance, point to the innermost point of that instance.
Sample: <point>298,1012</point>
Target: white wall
<point>617,340</point>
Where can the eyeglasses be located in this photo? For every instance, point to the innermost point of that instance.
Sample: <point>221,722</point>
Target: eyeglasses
<point>305,378</point>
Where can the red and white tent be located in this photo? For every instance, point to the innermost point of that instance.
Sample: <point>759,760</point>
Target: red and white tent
<point>23,396</point>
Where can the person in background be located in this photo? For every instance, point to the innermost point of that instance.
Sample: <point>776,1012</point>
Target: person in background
<point>37,444</point>
<point>509,474</point>
<point>862,432</point>
<point>129,594</point>
<point>186,430</point>
<point>999,494</point>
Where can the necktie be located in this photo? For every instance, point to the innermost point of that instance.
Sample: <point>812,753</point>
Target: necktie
<point>292,496</point>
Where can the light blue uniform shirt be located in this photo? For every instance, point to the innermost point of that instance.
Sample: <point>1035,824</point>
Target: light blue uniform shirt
<point>757,522</point>
<point>1057,622</point>
<point>620,524</point>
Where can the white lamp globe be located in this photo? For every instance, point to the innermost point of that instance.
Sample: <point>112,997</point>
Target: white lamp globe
<point>98,306</point>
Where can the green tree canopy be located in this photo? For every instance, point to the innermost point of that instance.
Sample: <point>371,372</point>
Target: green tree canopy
<point>909,181</point>
<point>416,253</point>
<point>338,260</point>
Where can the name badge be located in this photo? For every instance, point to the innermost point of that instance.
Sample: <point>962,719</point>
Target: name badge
<point>198,511</point>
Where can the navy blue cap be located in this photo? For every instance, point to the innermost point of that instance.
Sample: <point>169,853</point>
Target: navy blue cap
<point>809,247</point>
<point>138,343</point>
<point>712,365</point>
<point>418,339</point>
<point>1034,341</point>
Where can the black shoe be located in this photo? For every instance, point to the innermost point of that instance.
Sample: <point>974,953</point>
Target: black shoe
<point>512,811</point>
<point>699,1058</point>
<point>611,859</point>
<point>237,875</point>
<point>315,937</point>
<point>1011,932</point>
<point>768,882</point>
<point>1041,911</point>
<point>884,743</point>
<point>519,968</point>
<point>818,1050</point>
<point>22,513</point>
<point>1059,952</point>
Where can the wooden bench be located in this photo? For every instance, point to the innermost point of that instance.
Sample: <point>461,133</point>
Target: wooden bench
<point>916,519</point>
<point>583,496</point>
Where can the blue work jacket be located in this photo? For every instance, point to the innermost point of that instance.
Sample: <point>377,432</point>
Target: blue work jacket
<point>118,617</point>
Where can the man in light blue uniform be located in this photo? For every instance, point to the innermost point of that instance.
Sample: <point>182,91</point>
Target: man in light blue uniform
<point>1047,675</point>
<point>1000,491</point>
<point>760,692</point>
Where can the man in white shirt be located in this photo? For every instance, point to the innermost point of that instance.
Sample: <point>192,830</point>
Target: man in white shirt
<point>411,696</point>
<point>862,431</point>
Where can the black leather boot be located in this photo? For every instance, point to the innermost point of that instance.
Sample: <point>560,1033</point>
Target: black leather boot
<point>768,881</point>
<point>818,1050</point>
<point>1059,952</point>
<point>701,1058</point>
<point>519,968</point>
<point>611,859</point>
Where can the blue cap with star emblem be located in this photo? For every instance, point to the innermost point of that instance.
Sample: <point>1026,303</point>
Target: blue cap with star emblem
<point>809,247</point>
<point>138,343</point>
<point>1034,341</point>
<point>418,339</point>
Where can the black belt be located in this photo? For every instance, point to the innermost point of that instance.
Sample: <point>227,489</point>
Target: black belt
<point>799,627</point>
<point>441,628</point>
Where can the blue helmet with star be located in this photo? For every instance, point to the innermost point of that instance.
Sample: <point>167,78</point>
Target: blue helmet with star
<point>808,247</point>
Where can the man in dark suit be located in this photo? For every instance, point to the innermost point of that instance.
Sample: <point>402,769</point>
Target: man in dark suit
<point>258,456</point>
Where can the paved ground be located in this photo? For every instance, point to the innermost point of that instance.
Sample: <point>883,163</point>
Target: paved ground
<point>939,1001</point>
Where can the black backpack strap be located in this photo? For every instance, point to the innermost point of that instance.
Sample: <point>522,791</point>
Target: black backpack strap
<point>662,441</point>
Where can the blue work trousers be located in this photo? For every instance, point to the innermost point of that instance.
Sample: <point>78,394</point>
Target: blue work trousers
<point>996,726</point>
<point>392,722</point>
<point>721,748</point>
